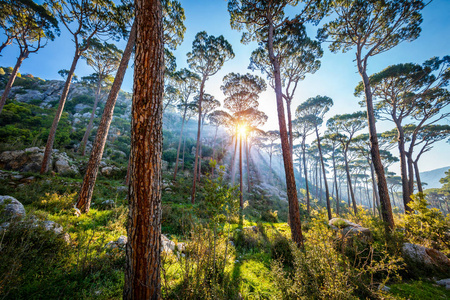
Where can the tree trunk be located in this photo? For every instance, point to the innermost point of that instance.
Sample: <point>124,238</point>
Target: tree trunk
<point>327,192</point>
<point>416,171</point>
<point>62,101</point>
<point>308,207</point>
<point>91,120</point>
<point>403,172</point>
<point>142,272</point>
<point>214,150</point>
<point>349,183</point>
<point>247,148</point>
<point>411,177</point>
<point>179,144</point>
<point>294,211</point>
<point>233,162</point>
<point>291,135</point>
<point>197,148</point>
<point>386,210</point>
<point>241,184</point>
<point>12,78</point>
<point>87,188</point>
<point>184,150</point>
<point>335,183</point>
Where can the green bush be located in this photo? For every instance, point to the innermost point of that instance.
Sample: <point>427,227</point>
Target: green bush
<point>427,226</point>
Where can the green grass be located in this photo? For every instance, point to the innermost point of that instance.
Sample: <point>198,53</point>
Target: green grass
<point>419,290</point>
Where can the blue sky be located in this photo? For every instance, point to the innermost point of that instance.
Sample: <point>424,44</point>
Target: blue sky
<point>336,78</point>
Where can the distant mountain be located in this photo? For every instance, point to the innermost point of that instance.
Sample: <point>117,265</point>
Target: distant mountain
<point>432,177</point>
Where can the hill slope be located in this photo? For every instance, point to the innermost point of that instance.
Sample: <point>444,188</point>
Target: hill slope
<point>432,177</point>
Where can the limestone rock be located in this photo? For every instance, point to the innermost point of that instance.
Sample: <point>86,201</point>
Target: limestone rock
<point>119,244</point>
<point>30,160</point>
<point>426,258</point>
<point>169,246</point>
<point>11,208</point>
<point>63,165</point>
<point>350,229</point>
<point>444,282</point>
<point>164,165</point>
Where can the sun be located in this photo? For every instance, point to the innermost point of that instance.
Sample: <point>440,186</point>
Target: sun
<point>242,129</point>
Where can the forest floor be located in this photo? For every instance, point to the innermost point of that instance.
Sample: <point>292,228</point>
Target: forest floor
<point>230,258</point>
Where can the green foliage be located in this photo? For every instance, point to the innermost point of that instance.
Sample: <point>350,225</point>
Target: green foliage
<point>28,252</point>
<point>27,124</point>
<point>269,216</point>
<point>170,155</point>
<point>427,226</point>
<point>320,271</point>
<point>419,290</point>
<point>209,53</point>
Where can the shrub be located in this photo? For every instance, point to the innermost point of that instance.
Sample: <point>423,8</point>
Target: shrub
<point>427,226</point>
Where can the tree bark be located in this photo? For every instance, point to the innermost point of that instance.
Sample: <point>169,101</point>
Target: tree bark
<point>197,148</point>
<point>290,134</point>
<point>91,120</point>
<point>142,272</point>
<point>247,150</point>
<point>386,210</point>
<point>416,171</point>
<point>241,184</point>
<point>87,188</point>
<point>294,211</point>
<point>12,78</point>
<point>411,176</point>
<point>403,172</point>
<point>233,162</point>
<point>327,192</point>
<point>62,101</point>
<point>335,183</point>
<point>349,183</point>
<point>179,144</point>
<point>308,204</point>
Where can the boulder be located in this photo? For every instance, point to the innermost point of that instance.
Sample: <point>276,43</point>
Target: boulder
<point>62,164</point>
<point>169,246</point>
<point>119,244</point>
<point>121,189</point>
<point>79,107</point>
<point>30,160</point>
<point>52,226</point>
<point>444,282</point>
<point>423,258</point>
<point>11,208</point>
<point>349,229</point>
<point>164,165</point>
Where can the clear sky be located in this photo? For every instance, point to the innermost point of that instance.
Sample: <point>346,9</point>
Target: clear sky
<point>336,78</point>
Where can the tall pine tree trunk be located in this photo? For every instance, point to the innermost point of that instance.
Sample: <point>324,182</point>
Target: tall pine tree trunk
<point>411,177</point>
<point>197,148</point>
<point>241,184</point>
<point>87,188</point>
<point>416,171</point>
<point>335,183</point>
<point>143,254</point>
<point>349,184</point>
<point>62,101</point>
<point>294,211</point>
<point>12,78</point>
<point>91,120</point>
<point>403,165</point>
<point>386,210</point>
<point>308,201</point>
<point>247,150</point>
<point>179,143</point>
<point>324,173</point>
